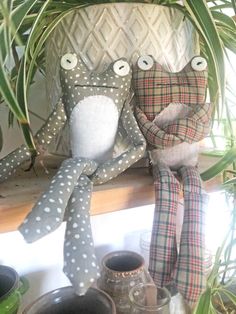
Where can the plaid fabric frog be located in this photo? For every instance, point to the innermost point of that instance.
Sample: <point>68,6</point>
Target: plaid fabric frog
<point>173,116</point>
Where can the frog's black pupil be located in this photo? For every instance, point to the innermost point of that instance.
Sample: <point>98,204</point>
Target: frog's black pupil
<point>121,67</point>
<point>145,62</point>
<point>199,63</point>
<point>68,61</point>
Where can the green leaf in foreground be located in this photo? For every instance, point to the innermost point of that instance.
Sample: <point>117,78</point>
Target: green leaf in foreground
<point>219,166</point>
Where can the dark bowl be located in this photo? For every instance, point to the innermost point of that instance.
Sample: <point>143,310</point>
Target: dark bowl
<point>9,281</point>
<point>65,301</point>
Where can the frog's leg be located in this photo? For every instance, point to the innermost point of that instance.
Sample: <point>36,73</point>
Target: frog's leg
<point>43,137</point>
<point>80,264</point>
<point>163,248</point>
<point>190,276</point>
<point>114,167</point>
<point>48,212</point>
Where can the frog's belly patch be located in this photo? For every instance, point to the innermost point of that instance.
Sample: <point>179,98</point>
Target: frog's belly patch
<point>93,128</point>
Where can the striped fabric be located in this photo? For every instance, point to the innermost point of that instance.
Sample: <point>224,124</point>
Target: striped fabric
<point>155,89</point>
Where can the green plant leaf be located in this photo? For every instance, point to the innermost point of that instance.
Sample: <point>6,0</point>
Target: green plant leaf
<point>40,43</point>
<point>223,20</point>
<point>1,139</point>
<point>9,97</point>
<point>204,22</point>
<point>28,138</point>
<point>17,17</point>
<point>21,81</point>
<point>226,28</point>
<point>219,166</point>
<point>203,305</point>
<point>230,295</point>
<point>230,182</point>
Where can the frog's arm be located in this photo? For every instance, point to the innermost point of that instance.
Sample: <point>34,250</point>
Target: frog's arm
<point>43,137</point>
<point>115,166</point>
<point>193,128</point>
<point>190,129</point>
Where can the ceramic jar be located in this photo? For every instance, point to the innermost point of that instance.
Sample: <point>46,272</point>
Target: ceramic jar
<point>122,270</point>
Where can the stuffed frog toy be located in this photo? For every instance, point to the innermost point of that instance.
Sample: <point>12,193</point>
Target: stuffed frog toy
<point>94,104</point>
<point>173,116</point>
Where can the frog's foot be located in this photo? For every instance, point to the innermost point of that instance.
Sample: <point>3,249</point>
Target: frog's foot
<point>80,263</point>
<point>48,213</point>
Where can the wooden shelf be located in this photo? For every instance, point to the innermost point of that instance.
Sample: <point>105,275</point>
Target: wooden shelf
<point>132,188</point>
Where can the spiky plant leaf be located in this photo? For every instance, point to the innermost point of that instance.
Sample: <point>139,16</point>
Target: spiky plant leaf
<point>219,166</point>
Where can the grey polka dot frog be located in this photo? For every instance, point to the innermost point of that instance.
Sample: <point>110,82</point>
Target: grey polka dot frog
<point>94,104</point>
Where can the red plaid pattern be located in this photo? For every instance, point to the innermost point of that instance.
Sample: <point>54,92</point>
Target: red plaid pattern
<point>189,273</point>
<point>186,269</point>
<point>156,88</point>
<point>163,249</point>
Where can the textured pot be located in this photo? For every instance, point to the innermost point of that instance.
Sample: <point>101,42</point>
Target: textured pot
<point>102,33</point>
<point>122,270</point>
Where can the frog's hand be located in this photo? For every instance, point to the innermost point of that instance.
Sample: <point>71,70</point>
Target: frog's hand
<point>154,135</point>
<point>193,128</point>
<point>190,129</point>
<point>43,137</point>
<point>114,167</point>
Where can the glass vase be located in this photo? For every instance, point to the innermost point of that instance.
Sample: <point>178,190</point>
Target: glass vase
<point>149,299</point>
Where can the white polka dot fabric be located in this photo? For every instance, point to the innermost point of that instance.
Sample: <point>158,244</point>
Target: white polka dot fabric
<point>80,262</point>
<point>12,161</point>
<point>71,187</point>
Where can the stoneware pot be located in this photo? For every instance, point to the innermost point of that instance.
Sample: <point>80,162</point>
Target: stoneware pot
<point>12,287</point>
<point>65,301</point>
<point>121,270</point>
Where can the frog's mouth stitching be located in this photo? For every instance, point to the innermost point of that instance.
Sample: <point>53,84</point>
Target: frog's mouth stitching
<point>96,86</point>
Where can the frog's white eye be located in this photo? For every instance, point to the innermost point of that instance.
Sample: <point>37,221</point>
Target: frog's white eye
<point>69,61</point>
<point>145,62</point>
<point>121,67</point>
<point>199,64</point>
